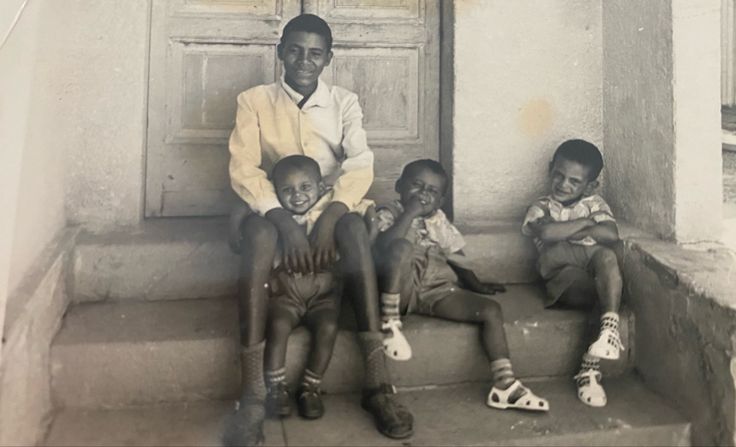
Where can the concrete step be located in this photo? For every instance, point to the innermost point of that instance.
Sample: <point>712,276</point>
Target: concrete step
<point>633,416</point>
<point>130,353</point>
<point>189,258</point>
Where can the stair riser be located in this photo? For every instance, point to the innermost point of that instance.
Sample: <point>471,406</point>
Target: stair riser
<point>119,374</point>
<point>204,269</point>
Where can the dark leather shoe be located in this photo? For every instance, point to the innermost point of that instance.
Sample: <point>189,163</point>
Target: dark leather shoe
<point>309,403</point>
<point>391,418</point>
<point>278,402</point>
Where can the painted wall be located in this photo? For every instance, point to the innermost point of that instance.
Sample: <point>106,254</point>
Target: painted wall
<point>32,178</point>
<point>521,88</point>
<point>103,94</point>
<point>661,115</point>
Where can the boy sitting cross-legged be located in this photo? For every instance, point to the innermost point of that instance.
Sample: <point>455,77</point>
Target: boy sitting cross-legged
<point>421,269</point>
<point>310,298</point>
<point>572,228</point>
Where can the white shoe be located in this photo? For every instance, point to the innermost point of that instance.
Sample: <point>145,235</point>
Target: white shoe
<point>590,391</point>
<point>608,346</point>
<point>396,346</point>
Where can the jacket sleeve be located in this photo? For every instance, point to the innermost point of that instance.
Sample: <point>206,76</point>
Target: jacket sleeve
<point>247,178</point>
<point>357,168</point>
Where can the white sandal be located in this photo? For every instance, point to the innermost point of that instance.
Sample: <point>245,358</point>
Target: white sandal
<point>590,391</point>
<point>396,346</point>
<point>528,401</point>
<point>608,346</point>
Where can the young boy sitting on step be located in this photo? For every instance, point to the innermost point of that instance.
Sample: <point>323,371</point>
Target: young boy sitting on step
<point>422,269</point>
<point>573,229</point>
<point>295,298</point>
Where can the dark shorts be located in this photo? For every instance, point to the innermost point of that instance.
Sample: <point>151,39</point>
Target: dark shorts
<point>303,294</point>
<point>432,279</point>
<point>562,265</point>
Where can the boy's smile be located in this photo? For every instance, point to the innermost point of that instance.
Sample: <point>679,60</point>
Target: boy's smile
<point>304,56</point>
<point>298,191</point>
<point>568,180</point>
<point>424,186</point>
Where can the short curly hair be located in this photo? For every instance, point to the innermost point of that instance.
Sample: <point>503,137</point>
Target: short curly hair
<point>583,152</point>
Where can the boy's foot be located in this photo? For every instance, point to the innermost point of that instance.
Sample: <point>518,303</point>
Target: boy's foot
<point>396,346</point>
<point>590,391</point>
<point>278,402</point>
<point>392,419</point>
<point>608,346</point>
<point>516,396</point>
<point>245,426</point>
<point>309,402</point>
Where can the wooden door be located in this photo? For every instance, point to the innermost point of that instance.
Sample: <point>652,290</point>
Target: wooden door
<point>205,52</point>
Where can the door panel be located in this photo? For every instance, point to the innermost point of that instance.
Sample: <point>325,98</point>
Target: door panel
<point>205,52</point>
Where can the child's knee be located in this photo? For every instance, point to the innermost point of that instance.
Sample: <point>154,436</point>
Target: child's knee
<point>399,251</point>
<point>351,229</point>
<point>259,232</point>
<point>605,261</point>
<point>279,328</point>
<point>492,312</point>
<point>326,330</point>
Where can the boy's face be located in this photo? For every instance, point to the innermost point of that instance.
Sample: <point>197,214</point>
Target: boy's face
<point>422,186</point>
<point>569,180</point>
<point>298,190</point>
<point>304,56</point>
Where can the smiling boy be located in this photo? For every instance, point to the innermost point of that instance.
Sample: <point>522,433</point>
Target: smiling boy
<point>573,229</point>
<point>300,114</point>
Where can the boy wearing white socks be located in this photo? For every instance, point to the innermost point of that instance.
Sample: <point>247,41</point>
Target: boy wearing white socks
<point>573,229</point>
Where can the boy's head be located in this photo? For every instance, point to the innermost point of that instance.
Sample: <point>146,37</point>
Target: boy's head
<point>298,183</point>
<point>305,50</point>
<point>574,170</point>
<point>424,181</point>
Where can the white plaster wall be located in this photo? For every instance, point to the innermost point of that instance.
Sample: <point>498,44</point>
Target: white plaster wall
<point>527,77</point>
<point>102,62</point>
<point>661,115</point>
<point>638,119</point>
<point>32,177</point>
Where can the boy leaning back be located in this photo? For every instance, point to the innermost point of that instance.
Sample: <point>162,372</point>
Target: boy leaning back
<point>573,229</point>
<point>423,270</point>
<point>299,114</point>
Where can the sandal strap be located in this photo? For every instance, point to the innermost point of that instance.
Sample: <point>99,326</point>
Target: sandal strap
<point>589,374</point>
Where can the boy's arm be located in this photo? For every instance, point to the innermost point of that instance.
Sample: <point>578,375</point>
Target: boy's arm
<point>605,232</point>
<point>350,187</point>
<point>400,227</point>
<point>548,231</point>
<point>357,177</point>
<point>470,281</point>
<point>247,178</point>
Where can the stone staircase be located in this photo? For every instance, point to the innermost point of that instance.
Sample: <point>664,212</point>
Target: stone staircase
<point>148,355</point>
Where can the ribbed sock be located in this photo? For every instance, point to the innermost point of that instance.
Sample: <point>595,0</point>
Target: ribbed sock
<point>311,379</point>
<point>390,306</point>
<point>590,362</point>
<point>275,377</point>
<point>252,383</point>
<point>503,374</point>
<point>376,372</point>
<point>609,320</point>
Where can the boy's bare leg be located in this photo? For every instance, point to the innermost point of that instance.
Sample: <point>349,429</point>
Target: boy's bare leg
<point>466,306</point>
<point>359,278</point>
<point>609,285</point>
<point>393,266</point>
<point>280,324</point>
<point>323,326</point>
<point>258,250</point>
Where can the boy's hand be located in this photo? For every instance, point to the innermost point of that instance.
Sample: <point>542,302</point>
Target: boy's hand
<point>294,245</point>
<point>489,288</point>
<point>237,216</point>
<point>322,238</point>
<point>415,208</point>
